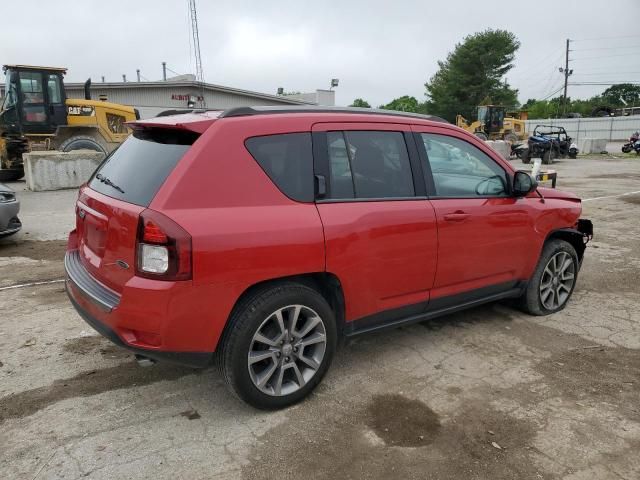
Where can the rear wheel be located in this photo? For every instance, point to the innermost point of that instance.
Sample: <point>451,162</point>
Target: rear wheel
<point>554,279</point>
<point>82,142</point>
<point>279,344</point>
<point>548,156</point>
<point>525,156</point>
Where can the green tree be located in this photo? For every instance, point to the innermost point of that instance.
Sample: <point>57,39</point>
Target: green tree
<point>626,91</point>
<point>405,103</point>
<point>359,102</point>
<point>474,70</point>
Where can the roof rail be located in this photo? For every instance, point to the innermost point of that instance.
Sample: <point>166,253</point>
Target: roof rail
<point>251,111</point>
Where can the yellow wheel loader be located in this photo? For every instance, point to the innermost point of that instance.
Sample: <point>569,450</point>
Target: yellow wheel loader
<point>37,115</point>
<point>493,124</point>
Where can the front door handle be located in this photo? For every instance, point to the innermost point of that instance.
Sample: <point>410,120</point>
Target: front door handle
<point>457,216</point>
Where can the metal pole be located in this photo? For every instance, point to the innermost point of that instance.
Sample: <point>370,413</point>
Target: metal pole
<point>164,71</point>
<point>138,73</point>
<point>566,80</point>
<point>611,130</point>
<point>124,78</point>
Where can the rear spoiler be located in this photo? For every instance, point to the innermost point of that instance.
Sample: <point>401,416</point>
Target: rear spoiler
<point>192,122</point>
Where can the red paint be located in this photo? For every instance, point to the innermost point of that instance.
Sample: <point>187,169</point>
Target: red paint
<point>244,231</point>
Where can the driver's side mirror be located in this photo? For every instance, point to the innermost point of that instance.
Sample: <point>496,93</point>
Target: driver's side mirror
<point>523,184</point>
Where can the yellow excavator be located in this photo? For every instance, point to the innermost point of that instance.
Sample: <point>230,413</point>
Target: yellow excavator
<point>494,123</point>
<point>36,114</point>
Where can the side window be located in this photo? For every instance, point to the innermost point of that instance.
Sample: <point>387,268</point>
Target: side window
<point>288,161</point>
<point>379,165</point>
<point>53,85</point>
<point>339,166</point>
<point>461,170</point>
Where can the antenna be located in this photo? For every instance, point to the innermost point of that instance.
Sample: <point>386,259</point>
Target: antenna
<point>196,46</point>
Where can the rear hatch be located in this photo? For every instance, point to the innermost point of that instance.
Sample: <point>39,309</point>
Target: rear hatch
<point>109,207</point>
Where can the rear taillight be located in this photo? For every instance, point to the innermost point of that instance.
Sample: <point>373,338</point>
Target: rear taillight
<point>163,248</point>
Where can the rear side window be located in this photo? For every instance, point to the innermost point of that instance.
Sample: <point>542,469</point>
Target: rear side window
<point>369,164</point>
<point>136,170</point>
<point>288,161</point>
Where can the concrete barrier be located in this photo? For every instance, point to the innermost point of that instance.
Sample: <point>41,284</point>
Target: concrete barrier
<point>592,145</point>
<point>500,146</point>
<point>53,170</point>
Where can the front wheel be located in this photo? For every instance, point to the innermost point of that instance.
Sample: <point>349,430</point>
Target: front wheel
<point>82,142</point>
<point>554,279</point>
<point>510,137</point>
<point>278,345</point>
<point>548,156</point>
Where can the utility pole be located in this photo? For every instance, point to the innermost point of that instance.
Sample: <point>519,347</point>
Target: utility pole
<point>566,72</point>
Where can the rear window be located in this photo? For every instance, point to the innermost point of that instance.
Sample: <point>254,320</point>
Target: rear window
<point>136,170</point>
<point>288,161</point>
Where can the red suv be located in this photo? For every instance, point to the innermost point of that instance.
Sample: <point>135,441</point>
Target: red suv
<point>257,237</point>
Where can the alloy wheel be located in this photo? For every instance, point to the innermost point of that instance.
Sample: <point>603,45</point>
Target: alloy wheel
<point>287,350</point>
<point>558,278</point>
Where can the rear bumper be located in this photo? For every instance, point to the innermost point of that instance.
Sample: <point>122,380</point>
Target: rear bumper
<point>101,308</point>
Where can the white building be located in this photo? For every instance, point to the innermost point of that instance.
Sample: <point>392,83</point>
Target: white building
<point>181,93</point>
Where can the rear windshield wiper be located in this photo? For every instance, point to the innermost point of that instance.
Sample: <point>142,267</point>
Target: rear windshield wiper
<point>106,181</point>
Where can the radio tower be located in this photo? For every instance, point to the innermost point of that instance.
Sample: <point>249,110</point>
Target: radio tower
<point>196,46</point>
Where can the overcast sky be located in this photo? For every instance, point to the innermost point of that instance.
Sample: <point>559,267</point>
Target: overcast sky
<point>379,50</point>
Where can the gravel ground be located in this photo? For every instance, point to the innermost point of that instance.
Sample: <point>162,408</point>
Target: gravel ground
<point>485,394</point>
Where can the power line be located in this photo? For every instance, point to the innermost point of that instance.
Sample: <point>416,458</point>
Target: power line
<point>604,38</point>
<point>604,48</point>
<point>602,83</point>
<point>606,73</point>
<point>553,93</point>
<point>537,64</point>
<point>606,56</point>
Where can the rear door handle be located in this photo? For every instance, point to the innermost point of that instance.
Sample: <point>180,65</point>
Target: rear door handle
<point>458,216</point>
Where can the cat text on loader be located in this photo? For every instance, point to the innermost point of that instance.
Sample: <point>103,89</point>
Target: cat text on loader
<point>37,115</point>
<point>494,123</point>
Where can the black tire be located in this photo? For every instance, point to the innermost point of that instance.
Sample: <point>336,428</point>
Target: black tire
<point>11,175</point>
<point>510,137</point>
<point>81,142</point>
<point>244,322</point>
<point>626,149</point>
<point>482,136</point>
<point>548,156</point>
<point>531,301</point>
<point>525,156</point>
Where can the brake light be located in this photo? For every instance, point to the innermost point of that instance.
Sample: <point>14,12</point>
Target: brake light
<point>152,233</point>
<point>163,248</point>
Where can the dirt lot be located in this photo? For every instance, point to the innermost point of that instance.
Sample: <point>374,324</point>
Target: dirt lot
<point>486,394</point>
